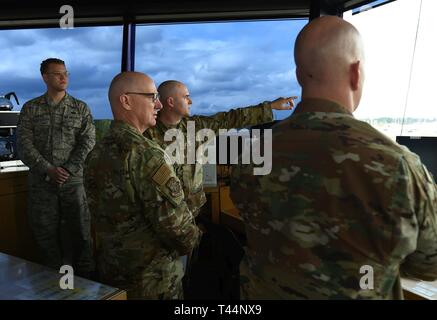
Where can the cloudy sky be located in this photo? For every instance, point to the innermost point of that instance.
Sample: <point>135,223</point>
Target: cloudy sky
<point>234,64</point>
<point>225,65</point>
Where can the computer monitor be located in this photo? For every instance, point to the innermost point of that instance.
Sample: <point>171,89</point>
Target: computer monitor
<point>425,148</point>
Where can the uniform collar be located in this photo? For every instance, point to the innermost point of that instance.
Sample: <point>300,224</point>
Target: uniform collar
<point>66,98</point>
<point>164,127</point>
<point>320,105</point>
<point>121,125</point>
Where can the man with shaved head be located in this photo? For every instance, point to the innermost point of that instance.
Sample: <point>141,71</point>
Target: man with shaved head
<point>141,220</point>
<point>345,209</point>
<point>176,101</point>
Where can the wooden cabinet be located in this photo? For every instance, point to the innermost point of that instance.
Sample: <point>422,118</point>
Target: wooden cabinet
<point>15,235</point>
<point>229,214</point>
<point>213,203</point>
<point>221,209</point>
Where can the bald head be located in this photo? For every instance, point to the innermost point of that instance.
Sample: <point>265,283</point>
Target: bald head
<point>325,50</point>
<point>176,101</point>
<point>126,82</point>
<point>131,95</point>
<point>168,89</point>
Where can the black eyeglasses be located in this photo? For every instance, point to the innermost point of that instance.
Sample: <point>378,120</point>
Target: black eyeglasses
<point>154,96</point>
<point>59,74</point>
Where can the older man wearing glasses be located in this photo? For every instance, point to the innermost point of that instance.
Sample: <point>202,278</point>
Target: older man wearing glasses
<point>55,134</point>
<point>142,222</point>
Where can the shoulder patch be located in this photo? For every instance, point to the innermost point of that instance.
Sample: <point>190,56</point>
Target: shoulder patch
<point>174,186</point>
<point>162,175</point>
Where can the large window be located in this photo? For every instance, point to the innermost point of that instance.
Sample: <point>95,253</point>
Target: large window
<point>398,96</point>
<point>225,65</point>
<point>92,55</point>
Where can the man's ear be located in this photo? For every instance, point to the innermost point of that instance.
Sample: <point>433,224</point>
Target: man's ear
<point>355,75</point>
<point>125,102</point>
<point>170,101</point>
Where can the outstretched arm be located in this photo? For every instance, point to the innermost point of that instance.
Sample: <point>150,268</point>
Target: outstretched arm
<point>243,117</point>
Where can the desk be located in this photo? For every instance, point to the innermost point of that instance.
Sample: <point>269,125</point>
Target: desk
<point>215,203</point>
<point>15,235</point>
<point>24,280</point>
<point>419,290</point>
<point>229,215</point>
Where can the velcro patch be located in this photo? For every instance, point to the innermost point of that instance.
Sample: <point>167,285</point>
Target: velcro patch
<point>174,186</point>
<point>162,175</point>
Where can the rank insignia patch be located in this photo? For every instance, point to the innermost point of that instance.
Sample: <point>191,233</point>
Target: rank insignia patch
<point>174,186</point>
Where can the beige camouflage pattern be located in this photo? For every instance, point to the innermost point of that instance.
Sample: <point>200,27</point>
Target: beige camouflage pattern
<point>340,196</point>
<point>141,221</point>
<point>58,135</point>
<point>191,175</point>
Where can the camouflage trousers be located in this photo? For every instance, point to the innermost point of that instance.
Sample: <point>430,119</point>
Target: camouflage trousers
<point>60,222</point>
<point>160,280</point>
<point>175,292</point>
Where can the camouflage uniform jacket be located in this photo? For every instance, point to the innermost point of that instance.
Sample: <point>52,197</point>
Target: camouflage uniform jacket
<point>191,175</point>
<point>340,196</point>
<point>55,135</point>
<point>141,221</point>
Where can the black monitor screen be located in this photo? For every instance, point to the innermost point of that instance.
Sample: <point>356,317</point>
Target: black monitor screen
<point>425,148</point>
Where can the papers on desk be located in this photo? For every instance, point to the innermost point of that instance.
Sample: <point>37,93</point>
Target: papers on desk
<point>425,289</point>
<point>12,166</point>
<point>24,280</point>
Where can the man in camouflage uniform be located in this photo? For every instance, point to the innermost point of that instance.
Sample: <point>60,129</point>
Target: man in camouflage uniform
<point>176,102</point>
<point>341,196</point>
<point>54,135</point>
<point>142,222</point>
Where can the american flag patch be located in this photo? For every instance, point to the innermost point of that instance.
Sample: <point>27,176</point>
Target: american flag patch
<point>162,175</point>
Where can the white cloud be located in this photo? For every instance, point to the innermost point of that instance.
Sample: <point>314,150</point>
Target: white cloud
<point>224,64</point>
<point>389,34</point>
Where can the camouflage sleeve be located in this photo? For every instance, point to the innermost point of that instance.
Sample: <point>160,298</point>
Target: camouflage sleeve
<point>25,143</point>
<point>236,118</point>
<point>85,142</point>
<point>422,196</point>
<point>163,198</point>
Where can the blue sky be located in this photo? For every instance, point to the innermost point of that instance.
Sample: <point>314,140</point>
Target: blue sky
<point>224,65</point>
<point>234,64</point>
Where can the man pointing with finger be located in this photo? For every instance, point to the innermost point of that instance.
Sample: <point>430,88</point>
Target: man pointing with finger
<point>175,114</point>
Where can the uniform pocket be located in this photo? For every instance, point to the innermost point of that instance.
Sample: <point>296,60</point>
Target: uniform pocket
<point>71,125</point>
<point>73,120</point>
<point>41,129</point>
